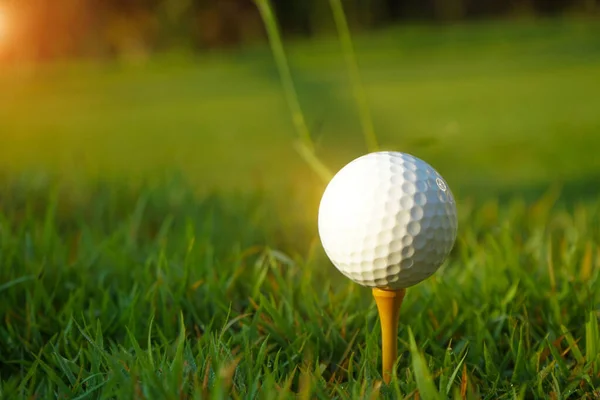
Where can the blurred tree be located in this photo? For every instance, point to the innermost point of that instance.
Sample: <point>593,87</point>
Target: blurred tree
<point>175,21</point>
<point>225,23</point>
<point>132,29</point>
<point>449,10</point>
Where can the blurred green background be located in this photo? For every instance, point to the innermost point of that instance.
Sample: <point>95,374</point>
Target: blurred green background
<point>502,98</point>
<point>156,217</point>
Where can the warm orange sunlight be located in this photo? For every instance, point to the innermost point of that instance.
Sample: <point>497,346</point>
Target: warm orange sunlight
<point>3,25</point>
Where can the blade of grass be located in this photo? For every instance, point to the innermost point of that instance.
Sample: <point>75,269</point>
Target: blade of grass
<point>592,338</point>
<point>455,373</point>
<point>305,145</point>
<point>358,90</point>
<point>423,377</point>
<point>14,282</point>
<point>575,350</point>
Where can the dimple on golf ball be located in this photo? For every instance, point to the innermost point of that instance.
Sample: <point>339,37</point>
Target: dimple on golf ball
<point>387,220</point>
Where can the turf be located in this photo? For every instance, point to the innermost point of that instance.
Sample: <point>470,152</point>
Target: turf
<point>157,230</point>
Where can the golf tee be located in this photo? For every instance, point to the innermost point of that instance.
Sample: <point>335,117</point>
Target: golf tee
<point>388,305</point>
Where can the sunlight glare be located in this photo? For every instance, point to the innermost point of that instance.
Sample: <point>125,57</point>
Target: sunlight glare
<point>2,24</point>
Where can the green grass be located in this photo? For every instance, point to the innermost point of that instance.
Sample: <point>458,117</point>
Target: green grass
<point>157,229</point>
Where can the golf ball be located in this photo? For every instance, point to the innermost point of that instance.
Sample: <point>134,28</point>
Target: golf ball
<point>387,220</point>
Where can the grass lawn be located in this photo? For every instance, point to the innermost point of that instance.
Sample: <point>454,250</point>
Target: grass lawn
<point>158,230</point>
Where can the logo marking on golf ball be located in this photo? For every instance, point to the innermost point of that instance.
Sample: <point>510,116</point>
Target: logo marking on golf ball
<point>441,184</point>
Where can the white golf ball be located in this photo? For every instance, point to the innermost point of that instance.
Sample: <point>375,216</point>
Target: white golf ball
<point>387,220</point>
